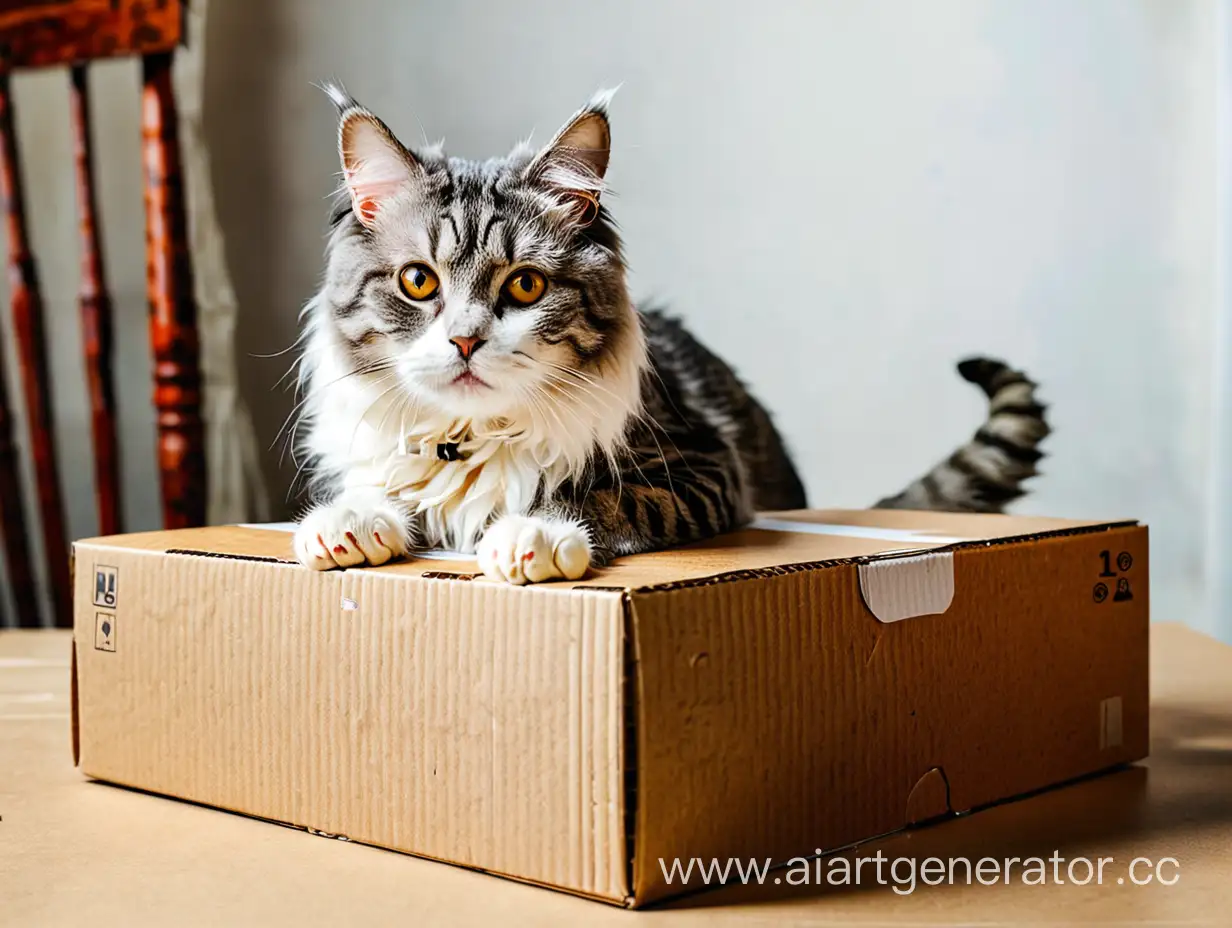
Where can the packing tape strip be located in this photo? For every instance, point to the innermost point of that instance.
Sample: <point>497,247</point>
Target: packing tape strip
<point>907,536</point>
<point>895,588</point>
<point>906,587</point>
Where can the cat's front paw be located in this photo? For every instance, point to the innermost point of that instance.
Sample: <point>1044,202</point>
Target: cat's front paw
<point>531,549</point>
<point>367,529</point>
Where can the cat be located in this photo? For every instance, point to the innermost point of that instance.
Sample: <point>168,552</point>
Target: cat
<point>477,378</point>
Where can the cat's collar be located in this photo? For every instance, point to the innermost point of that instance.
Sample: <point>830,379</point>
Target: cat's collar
<point>457,441</point>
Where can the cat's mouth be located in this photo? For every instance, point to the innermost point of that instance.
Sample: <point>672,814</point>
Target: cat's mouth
<point>468,379</point>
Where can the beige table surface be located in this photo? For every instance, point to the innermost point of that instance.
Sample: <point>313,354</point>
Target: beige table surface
<point>74,852</point>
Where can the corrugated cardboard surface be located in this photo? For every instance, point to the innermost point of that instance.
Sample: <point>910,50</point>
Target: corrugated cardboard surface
<point>793,722</point>
<point>733,698</point>
<point>470,722</point>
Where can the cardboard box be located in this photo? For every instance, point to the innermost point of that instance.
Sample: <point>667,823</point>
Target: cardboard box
<point>816,680</point>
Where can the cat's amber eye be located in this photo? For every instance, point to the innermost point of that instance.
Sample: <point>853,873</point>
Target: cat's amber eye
<point>418,281</point>
<point>526,286</point>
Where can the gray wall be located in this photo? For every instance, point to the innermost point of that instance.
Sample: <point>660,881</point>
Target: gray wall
<point>843,197</point>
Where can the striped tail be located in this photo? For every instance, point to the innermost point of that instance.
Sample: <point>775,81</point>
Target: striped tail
<point>987,472</point>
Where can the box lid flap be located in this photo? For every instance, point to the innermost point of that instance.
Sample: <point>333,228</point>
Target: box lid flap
<point>774,540</point>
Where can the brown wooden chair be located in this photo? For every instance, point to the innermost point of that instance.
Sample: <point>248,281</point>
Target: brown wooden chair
<point>70,33</point>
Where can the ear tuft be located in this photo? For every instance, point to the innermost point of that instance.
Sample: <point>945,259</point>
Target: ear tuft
<point>338,94</point>
<point>602,99</point>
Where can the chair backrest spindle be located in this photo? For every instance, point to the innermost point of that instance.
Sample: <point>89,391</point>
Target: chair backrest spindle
<point>26,306</point>
<point>13,516</point>
<point>173,321</point>
<point>95,306</point>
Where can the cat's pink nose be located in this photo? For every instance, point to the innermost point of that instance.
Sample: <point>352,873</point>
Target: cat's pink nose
<point>467,345</point>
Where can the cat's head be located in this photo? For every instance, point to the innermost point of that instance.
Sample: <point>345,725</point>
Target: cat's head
<point>486,290</point>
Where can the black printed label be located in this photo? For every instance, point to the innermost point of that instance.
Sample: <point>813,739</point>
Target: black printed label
<point>1114,583</point>
<point>104,631</point>
<point>106,586</point>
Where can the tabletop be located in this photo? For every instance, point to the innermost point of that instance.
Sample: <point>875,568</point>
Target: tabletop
<point>72,849</point>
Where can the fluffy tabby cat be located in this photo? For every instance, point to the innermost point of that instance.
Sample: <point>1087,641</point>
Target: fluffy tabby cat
<point>477,378</point>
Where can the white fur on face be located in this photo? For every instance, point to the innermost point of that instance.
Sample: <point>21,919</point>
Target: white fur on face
<point>511,363</point>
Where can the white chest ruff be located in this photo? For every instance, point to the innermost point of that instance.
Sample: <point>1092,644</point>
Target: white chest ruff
<point>457,481</point>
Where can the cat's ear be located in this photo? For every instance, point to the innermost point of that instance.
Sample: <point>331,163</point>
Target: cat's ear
<point>572,166</point>
<point>375,165</point>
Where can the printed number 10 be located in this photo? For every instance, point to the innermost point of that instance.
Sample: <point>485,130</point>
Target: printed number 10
<point>1108,571</point>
